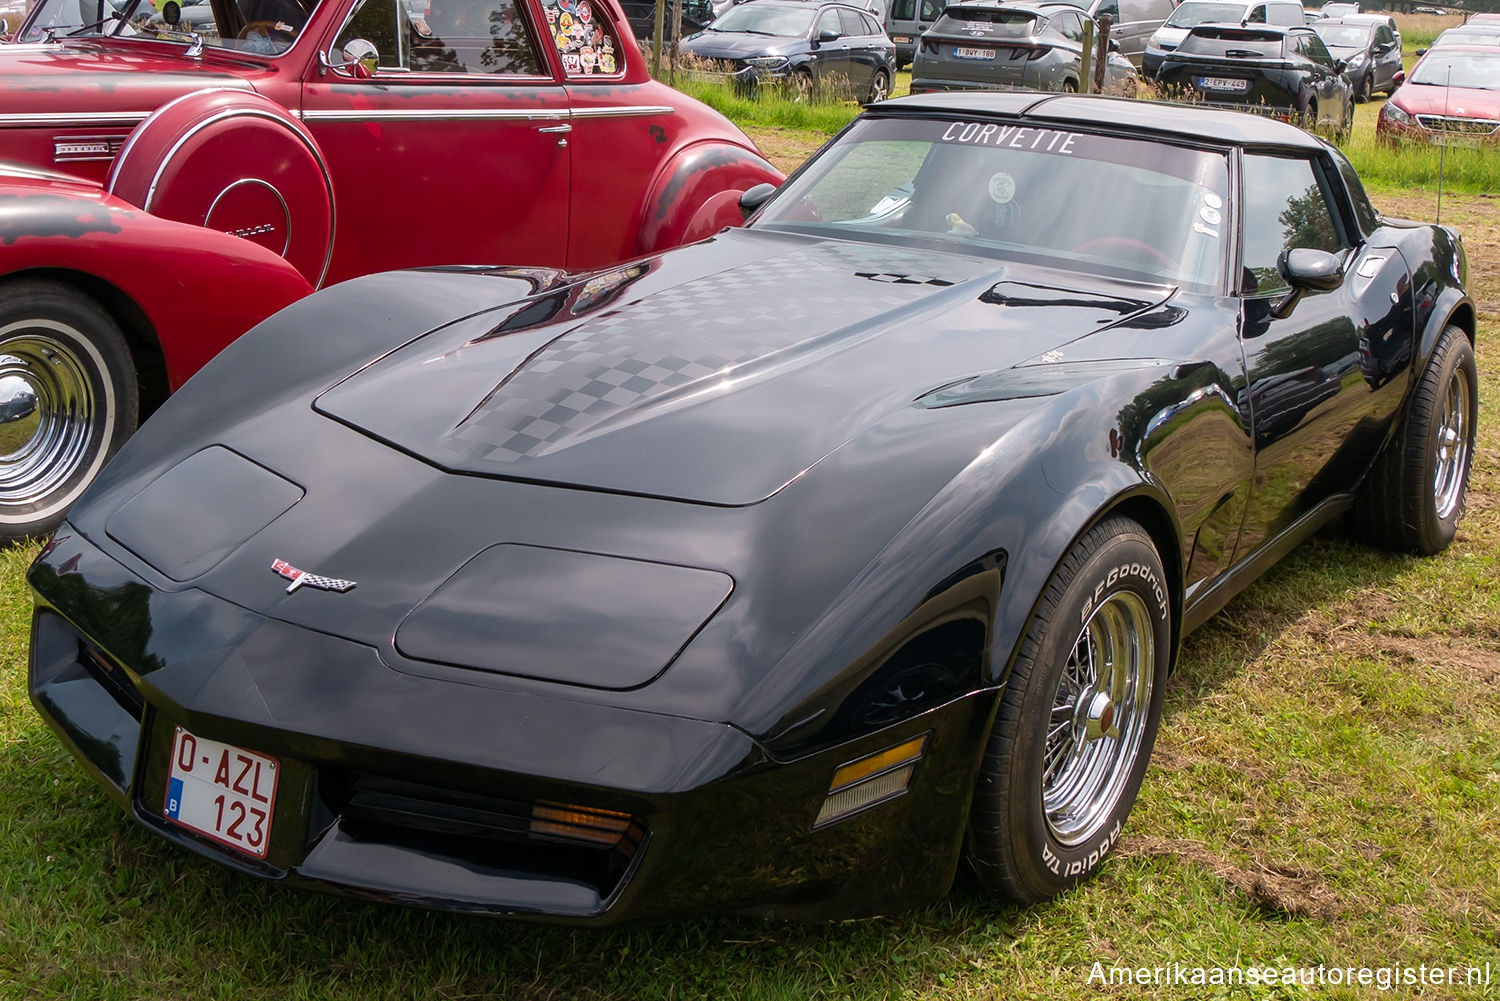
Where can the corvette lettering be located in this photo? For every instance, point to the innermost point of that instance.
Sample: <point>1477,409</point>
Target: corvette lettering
<point>1011,137</point>
<point>301,577</point>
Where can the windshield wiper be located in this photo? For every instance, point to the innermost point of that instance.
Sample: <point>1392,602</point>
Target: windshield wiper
<point>113,15</point>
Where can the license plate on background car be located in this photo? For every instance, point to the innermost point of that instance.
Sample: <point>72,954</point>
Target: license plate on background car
<point>1459,141</point>
<point>1223,83</point>
<point>901,38</point>
<point>973,53</point>
<point>224,792</point>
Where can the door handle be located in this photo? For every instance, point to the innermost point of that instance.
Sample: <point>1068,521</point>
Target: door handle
<point>561,131</point>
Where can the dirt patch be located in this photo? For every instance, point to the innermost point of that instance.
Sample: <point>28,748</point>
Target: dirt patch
<point>786,148</point>
<point>1275,889</point>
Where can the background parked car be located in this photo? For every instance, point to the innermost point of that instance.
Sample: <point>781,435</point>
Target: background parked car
<point>1452,95</point>
<point>1371,56</point>
<point>1194,12</point>
<point>1022,46</point>
<point>905,21</point>
<point>1377,18</point>
<point>1476,32</point>
<point>361,137</point>
<point>806,45</point>
<point>1133,21</point>
<point>1266,68</point>
<point>1337,9</point>
<point>696,15</point>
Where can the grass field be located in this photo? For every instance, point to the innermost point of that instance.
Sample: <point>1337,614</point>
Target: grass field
<point>1325,790</point>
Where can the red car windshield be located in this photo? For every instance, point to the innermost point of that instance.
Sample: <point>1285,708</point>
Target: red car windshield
<point>1469,70</point>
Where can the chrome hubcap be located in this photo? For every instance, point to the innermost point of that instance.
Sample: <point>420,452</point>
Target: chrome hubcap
<point>49,417</point>
<point>1452,446</point>
<point>1098,719</point>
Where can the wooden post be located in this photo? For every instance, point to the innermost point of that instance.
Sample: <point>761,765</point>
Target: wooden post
<point>661,11</point>
<point>1086,58</point>
<point>1102,62</point>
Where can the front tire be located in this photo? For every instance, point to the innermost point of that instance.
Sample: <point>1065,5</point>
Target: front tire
<point>68,399</point>
<point>1414,496</point>
<point>1366,89</point>
<point>1077,719</point>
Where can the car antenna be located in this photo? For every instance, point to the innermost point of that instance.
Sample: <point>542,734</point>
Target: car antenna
<point>1443,146</point>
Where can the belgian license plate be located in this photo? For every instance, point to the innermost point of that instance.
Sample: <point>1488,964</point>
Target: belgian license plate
<point>962,53</point>
<point>901,38</point>
<point>1225,83</point>
<point>224,792</point>
<point>1459,140</point>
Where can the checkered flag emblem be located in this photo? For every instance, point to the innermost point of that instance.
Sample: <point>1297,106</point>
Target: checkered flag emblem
<point>300,578</point>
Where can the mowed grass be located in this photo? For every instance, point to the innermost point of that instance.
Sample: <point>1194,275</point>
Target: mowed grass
<point>1325,790</point>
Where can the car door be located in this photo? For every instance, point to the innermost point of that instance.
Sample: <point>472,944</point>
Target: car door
<point>1332,89</point>
<point>1318,402</point>
<point>831,56</point>
<point>1387,56</point>
<point>454,148</point>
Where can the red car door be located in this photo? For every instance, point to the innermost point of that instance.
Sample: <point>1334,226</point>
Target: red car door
<point>450,145</point>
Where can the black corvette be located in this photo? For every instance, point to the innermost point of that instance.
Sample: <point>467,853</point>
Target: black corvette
<point>776,574</point>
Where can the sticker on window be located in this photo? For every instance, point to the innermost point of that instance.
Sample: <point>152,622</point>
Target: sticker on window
<point>586,48</point>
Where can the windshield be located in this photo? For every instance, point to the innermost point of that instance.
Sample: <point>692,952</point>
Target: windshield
<point>267,27</point>
<point>1344,36</point>
<point>1142,210</point>
<point>981,22</point>
<point>755,19</point>
<point>1190,13</point>
<point>1470,70</point>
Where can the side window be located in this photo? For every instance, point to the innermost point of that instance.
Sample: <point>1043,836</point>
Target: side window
<point>1257,15</point>
<point>872,26</point>
<point>903,10</point>
<point>829,21</point>
<point>1110,7</point>
<point>1287,14</point>
<point>851,23</point>
<point>472,36</point>
<point>1383,35</point>
<point>583,36</point>
<point>1285,207</point>
<point>1318,52</point>
<point>376,23</point>
<point>932,9</point>
<point>1071,25</point>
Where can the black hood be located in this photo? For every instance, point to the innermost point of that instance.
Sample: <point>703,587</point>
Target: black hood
<point>750,360</point>
<point>712,44</point>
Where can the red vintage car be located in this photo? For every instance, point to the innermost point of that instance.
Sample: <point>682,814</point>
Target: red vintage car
<point>328,140</point>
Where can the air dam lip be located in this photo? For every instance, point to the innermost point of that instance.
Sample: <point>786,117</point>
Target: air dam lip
<point>546,613</point>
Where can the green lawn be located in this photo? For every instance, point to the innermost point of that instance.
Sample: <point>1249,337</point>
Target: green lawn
<point>1325,790</point>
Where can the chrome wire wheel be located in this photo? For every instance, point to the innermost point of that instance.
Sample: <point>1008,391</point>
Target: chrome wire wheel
<point>1450,470</point>
<point>1099,718</point>
<point>51,421</point>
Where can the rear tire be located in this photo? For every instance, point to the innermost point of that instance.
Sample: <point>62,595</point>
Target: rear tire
<point>880,87</point>
<point>1077,719</point>
<point>68,400</point>
<point>1414,496</point>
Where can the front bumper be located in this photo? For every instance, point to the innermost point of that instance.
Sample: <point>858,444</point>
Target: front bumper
<point>425,791</point>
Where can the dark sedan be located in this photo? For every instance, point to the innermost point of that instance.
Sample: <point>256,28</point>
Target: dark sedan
<point>831,46</point>
<point>1022,46</point>
<point>1286,72</point>
<point>777,574</point>
<point>1369,51</point>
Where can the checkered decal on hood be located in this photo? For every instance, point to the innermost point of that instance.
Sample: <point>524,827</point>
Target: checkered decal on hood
<point>656,347</point>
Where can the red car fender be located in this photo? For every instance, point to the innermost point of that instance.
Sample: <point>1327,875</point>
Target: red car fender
<point>696,193</point>
<point>234,162</point>
<point>198,289</point>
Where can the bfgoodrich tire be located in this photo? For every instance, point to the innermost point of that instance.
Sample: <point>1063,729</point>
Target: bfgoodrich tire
<point>1414,496</point>
<point>1076,724</point>
<point>68,399</point>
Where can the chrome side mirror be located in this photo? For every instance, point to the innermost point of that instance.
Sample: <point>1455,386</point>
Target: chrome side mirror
<point>359,59</point>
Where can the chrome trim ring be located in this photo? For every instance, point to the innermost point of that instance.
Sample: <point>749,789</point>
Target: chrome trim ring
<point>285,211</point>
<point>1098,719</point>
<point>53,425</point>
<point>1452,444</point>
